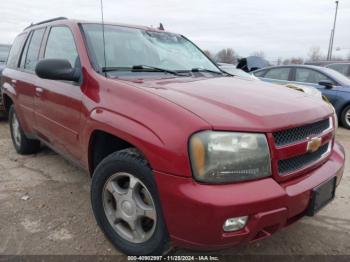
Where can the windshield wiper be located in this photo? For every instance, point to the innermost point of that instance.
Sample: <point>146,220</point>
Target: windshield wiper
<point>144,68</point>
<point>115,68</point>
<point>195,70</point>
<point>158,69</point>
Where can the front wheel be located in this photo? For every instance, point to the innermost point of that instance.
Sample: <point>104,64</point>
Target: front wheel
<point>345,117</point>
<point>126,204</point>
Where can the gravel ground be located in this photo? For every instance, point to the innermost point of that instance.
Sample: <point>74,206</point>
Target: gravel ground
<point>45,210</point>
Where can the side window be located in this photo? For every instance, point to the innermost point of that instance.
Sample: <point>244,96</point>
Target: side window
<point>341,68</point>
<point>61,45</point>
<point>260,73</point>
<point>15,52</point>
<point>24,52</point>
<point>278,73</point>
<point>33,49</point>
<point>306,75</point>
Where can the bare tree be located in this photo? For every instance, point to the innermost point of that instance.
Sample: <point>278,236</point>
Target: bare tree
<point>279,61</point>
<point>208,53</point>
<point>227,55</point>
<point>296,60</point>
<point>259,54</point>
<point>315,54</point>
<point>286,62</point>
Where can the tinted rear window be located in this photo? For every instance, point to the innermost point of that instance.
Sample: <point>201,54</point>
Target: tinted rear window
<point>259,73</point>
<point>278,73</point>
<point>33,49</point>
<point>15,51</point>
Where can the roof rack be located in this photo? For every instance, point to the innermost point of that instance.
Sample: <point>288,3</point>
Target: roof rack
<point>47,21</point>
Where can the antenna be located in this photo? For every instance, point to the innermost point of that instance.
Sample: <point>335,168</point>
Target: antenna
<point>103,36</point>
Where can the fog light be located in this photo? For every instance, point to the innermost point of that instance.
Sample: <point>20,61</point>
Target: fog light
<point>235,223</point>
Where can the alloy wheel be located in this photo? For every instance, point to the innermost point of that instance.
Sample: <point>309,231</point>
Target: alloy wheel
<point>129,207</point>
<point>347,117</point>
<point>16,130</point>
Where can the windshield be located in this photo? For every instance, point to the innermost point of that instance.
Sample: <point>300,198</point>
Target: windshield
<point>4,51</point>
<point>343,80</point>
<point>127,47</point>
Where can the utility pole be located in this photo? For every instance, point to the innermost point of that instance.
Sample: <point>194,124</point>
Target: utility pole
<point>331,41</point>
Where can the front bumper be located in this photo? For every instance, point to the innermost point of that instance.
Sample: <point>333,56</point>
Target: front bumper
<point>195,213</point>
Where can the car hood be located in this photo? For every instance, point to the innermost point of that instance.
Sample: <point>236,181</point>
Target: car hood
<point>306,89</point>
<point>228,103</point>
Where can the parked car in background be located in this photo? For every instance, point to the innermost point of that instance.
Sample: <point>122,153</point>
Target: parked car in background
<point>343,68</point>
<point>332,84</point>
<point>252,63</point>
<point>233,70</point>
<point>4,51</point>
<point>180,153</point>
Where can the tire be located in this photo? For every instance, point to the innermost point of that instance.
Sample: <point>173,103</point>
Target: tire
<point>22,144</point>
<point>118,171</point>
<point>345,117</point>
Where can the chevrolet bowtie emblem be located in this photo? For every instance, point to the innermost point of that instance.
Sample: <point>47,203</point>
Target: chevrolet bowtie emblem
<point>314,144</point>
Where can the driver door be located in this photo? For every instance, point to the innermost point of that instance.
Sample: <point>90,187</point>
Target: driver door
<point>310,77</point>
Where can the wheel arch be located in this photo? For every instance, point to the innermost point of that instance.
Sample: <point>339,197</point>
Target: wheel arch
<point>343,107</point>
<point>7,100</point>
<point>102,144</point>
<point>112,132</point>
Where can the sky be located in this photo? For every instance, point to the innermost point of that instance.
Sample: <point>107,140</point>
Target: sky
<point>279,28</point>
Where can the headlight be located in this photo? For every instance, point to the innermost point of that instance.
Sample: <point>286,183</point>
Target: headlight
<point>221,157</point>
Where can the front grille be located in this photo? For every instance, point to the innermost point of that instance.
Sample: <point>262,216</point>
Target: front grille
<point>297,134</point>
<point>287,166</point>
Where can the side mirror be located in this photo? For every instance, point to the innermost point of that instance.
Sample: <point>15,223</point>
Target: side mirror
<point>57,69</point>
<point>326,83</point>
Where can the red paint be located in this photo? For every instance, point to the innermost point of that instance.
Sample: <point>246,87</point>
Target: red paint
<point>158,116</point>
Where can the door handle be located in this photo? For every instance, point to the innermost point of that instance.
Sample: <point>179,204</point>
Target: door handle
<point>39,91</point>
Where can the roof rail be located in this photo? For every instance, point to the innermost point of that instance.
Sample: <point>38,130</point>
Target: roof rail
<point>47,21</point>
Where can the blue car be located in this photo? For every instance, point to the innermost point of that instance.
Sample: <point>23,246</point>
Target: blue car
<point>4,51</point>
<point>332,84</point>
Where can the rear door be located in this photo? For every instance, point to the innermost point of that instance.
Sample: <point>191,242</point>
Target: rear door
<point>22,77</point>
<point>10,74</point>
<point>28,78</point>
<point>58,103</point>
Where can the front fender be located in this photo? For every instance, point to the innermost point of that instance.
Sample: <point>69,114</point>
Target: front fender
<point>161,154</point>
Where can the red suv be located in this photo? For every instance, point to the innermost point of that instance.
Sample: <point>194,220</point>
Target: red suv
<point>179,152</point>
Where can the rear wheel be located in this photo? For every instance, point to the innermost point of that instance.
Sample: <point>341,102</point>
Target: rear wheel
<point>126,204</point>
<point>22,144</point>
<point>345,117</point>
